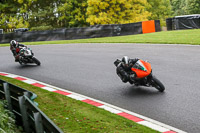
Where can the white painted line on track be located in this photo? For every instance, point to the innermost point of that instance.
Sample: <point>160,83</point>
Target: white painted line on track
<point>48,88</point>
<point>11,76</point>
<point>153,126</point>
<point>110,109</point>
<point>29,81</point>
<point>74,96</point>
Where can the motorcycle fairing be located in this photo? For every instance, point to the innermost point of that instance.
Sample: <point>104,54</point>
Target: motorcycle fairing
<point>26,51</point>
<point>141,68</point>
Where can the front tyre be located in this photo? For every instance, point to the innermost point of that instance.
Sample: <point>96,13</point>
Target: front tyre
<point>20,63</point>
<point>36,61</point>
<point>157,84</point>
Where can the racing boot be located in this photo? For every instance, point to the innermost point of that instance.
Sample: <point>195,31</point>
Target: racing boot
<point>17,58</point>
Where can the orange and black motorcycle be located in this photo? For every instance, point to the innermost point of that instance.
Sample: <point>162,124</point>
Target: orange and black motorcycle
<point>144,76</point>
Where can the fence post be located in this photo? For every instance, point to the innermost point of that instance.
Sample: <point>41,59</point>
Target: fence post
<point>26,94</point>
<point>38,122</point>
<point>23,109</point>
<point>7,95</point>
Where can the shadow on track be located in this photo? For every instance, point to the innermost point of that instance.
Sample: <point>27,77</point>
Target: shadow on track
<point>140,91</point>
<point>27,66</point>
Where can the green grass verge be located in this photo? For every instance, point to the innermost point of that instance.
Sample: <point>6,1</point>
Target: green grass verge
<point>76,116</point>
<point>165,37</point>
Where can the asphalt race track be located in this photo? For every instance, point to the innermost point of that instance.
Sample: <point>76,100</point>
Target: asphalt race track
<point>88,69</point>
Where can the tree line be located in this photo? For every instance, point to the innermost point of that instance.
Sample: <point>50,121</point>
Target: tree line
<point>50,14</point>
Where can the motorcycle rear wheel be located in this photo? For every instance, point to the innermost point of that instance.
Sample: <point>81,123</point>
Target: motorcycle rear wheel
<point>36,61</point>
<point>157,84</point>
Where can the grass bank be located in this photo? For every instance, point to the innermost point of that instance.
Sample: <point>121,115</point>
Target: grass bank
<point>164,37</point>
<point>76,116</point>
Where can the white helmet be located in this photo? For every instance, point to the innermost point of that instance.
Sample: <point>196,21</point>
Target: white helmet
<point>125,61</point>
<point>14,43</point>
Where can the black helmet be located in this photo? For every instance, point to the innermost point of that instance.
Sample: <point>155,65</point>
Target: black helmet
<point>125,61</point>
<point>13,43</point>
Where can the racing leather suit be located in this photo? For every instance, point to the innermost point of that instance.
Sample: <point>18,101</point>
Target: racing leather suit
<point>124,72</point>
<point>15,51</point>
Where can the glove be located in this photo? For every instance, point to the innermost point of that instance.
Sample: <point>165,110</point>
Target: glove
<point>132,77</point>
<point>117,62</point>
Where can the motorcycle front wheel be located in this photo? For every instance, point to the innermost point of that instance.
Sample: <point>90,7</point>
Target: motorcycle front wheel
<point>36,61</point>
<point>20,63</point>
<point>157,84</point>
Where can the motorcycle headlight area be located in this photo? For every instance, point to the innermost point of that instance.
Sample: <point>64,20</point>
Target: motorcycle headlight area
<point>26,53</point>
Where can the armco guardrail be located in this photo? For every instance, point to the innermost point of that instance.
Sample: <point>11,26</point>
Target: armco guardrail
<point>84,32</point>
<point>21,103</point>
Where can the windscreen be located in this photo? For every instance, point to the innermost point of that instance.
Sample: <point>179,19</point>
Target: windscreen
<point>139,65</point>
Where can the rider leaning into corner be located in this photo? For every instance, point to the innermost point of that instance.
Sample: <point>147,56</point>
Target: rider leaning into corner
<point>15,48</point>
<point>124,67</point>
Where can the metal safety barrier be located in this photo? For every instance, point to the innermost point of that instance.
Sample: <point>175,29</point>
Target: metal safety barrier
<point>21,103</point>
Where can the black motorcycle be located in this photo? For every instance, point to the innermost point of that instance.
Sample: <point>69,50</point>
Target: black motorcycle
<point>26,56</point>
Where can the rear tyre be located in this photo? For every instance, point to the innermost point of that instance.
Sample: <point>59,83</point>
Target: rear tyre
<point>36,61</point>
<point>157,84</point>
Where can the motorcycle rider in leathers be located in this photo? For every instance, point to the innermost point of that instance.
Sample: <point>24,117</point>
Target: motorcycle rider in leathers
<point>15,48</point>
<point>124,68</point>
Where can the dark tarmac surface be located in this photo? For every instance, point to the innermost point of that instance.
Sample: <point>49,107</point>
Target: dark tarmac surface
<point>88,69</point>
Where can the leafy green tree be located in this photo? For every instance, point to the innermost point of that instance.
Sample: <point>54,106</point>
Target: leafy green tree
<point>80,13</point>
<point>177,7</point>
<point>185,7</point>
<point>160,10</point>
<point>38,12</point>
<point>193,6</point>
<point>8,10</point>
<point>116,11</point>
<point>72,13</point>
<point>180,7</point>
